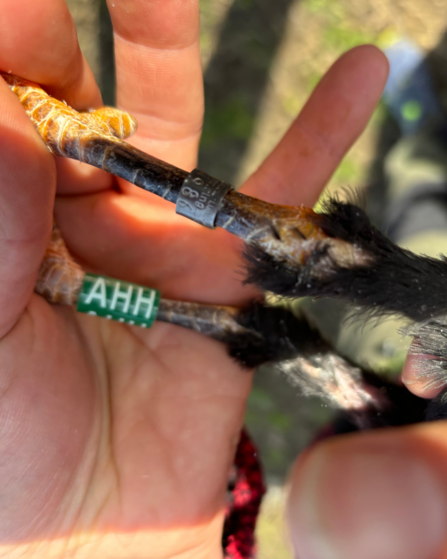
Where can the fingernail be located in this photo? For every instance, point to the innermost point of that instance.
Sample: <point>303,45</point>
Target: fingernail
<point>350,501</point>
<point>409,381</point>
<point>413,380</point>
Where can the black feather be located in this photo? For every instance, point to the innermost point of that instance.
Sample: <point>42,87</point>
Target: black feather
<point>430,346</point>
<point>273,335</point>
<point>278,336</point>
<point>393,281</point>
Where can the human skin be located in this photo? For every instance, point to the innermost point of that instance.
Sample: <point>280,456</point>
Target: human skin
<point>116,441</point>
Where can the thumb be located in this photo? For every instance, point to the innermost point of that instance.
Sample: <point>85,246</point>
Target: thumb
<point>27,187</point>
<point>378,495</point>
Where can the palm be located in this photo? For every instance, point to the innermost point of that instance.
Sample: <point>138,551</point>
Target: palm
<point>112,428</point>
<point>119,421</point>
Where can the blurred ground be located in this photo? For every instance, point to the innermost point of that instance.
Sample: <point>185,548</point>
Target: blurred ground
<point>270,55</point>
<point>262,59</point>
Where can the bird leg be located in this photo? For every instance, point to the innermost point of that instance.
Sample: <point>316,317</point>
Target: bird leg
<point>255,335</point>
<point>291,251</point>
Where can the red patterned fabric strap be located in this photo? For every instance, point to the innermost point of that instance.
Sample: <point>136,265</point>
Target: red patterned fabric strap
<point>246,489</point>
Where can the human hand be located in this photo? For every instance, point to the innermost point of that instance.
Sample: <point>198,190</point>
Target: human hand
<point>376,495</point>
<point>381,494</point>
<point>116,441</point>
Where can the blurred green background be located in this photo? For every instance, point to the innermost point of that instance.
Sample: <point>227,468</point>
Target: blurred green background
<point>261,60</point>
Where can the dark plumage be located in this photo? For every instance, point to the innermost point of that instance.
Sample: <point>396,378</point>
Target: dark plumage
<point>358,263</point>
<point>280,336</point>
<point>289,250</point>
<point>392,279</point>
<point>276,335</point>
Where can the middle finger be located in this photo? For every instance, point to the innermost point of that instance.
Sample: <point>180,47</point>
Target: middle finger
<point>159,75</point>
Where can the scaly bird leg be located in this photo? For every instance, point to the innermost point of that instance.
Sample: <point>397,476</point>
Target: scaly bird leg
<point>290,251</point>
<point>255,335</point>
<point>96,138</point>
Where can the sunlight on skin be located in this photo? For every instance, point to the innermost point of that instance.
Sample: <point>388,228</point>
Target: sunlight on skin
<point>113,433</point>
<point>156,544</point>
